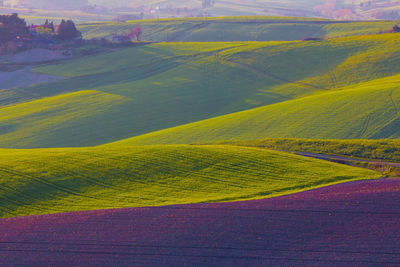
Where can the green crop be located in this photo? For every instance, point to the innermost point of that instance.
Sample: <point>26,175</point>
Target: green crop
<point>40,181</point>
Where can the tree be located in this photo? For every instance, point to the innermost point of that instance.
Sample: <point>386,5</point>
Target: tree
<point>67,30</point>
<point>52,27</point>
<point>136,33</point>
<point>49,25</point>
<point>12,27</point>
<point>4,34</point>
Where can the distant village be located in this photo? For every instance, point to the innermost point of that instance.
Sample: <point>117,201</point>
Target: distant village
<point>125,10</point>
<point>120,10</point>
<point>16,35</point>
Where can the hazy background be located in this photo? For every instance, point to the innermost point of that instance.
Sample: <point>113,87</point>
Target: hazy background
<point>122,10</point>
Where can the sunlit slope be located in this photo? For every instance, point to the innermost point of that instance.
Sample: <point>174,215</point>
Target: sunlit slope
<point>300,67</point>
<point>57,180</point>
<point>326,65</point>
<point>170,84</point>
<point>382,149</point>
<point>162,85</point>
<point>369,111</point>
<point>236,29</point>
<point>357,28</point>
<point>40,121</point>
<point>210,30</point>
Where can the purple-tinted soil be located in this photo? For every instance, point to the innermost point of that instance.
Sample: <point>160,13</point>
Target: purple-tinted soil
<point>351,224</point>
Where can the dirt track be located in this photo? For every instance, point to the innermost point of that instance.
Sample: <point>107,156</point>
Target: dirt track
<point>34,56</point>
<point>23,77</point>
<point>350,224</point>
<point>331,157</point>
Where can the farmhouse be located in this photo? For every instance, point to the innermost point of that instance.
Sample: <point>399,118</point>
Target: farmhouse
<point>121,39</point>
<point>44,29</point>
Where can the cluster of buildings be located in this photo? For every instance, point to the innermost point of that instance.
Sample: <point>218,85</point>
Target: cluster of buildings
<point>39,36</point>
<point>45,29</point>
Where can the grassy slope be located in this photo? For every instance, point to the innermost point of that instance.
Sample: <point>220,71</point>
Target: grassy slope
<point>163,84</point>
<point>368,111</point>
<point>27,123</point>
<point>236,29</point>
<point>328,64</point>
<point>39,16</point>
<point>58,180</point>
<point>388,150</point>
<point>358,28</point>
<point>240,8</point>
<point>170,84</point>
<point>213,29</point>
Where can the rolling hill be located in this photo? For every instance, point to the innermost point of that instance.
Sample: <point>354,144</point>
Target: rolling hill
<point>388,150</point>
<point>369,110</point>
<point>334,9</point>
<point>42,181</point>
<point>250,28</point>
<point>146,88</point>
<point>220,8</point>
<point>115,142</point>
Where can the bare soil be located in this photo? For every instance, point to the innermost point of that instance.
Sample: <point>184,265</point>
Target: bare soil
<point>34,56</point>
<point>23,77</point>
<point>350,224</point>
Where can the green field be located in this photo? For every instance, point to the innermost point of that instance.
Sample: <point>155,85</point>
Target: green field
<point>384,149</point>
<point>211,29</point>
<point>146,88</point>
<point>39,16</point>
<point>369,110</point>
<point>168,123</point>
<point>250,28</point>
<point>43,181</point>
<point>221,8</point>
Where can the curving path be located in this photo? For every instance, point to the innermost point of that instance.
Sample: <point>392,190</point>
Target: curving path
<point>24,77</point>
<point>350,224</point>
<point>341,158</point>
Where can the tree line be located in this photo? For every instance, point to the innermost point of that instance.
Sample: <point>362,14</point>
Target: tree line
<point>12,27</point>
